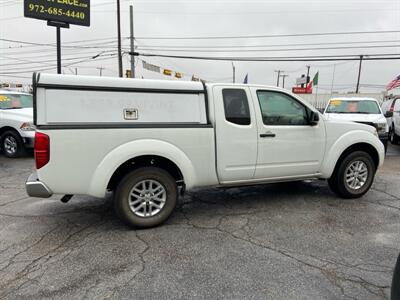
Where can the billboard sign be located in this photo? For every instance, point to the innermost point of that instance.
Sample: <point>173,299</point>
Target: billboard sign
<point>65,11</point>
<point>301,80</point>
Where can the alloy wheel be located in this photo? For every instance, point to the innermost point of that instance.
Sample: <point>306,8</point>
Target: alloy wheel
<point>147,198</point>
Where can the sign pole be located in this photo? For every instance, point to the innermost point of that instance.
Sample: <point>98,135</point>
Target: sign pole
<point>58,50</point>
<point>59,14</point>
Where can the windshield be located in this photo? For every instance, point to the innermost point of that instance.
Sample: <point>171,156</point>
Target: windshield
<point>353,107</point>
<point>14,101</point>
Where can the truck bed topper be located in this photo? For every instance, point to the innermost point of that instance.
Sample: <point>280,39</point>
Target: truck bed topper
<point>117,103</point>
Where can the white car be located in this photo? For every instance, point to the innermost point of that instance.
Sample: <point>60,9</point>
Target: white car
<point>150,140</point>
<point>16,123</point>
<point>360,110</point>
<point>391,109</point>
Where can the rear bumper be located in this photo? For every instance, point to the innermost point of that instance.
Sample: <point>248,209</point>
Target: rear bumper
<point>35,188</point>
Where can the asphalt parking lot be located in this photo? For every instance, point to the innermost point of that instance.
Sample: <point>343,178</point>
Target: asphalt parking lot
<point>280,241</point>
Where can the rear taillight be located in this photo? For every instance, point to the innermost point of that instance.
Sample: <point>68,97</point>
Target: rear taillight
<point>42,149</point>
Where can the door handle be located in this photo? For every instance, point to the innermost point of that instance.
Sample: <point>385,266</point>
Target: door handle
<point>267,134</point>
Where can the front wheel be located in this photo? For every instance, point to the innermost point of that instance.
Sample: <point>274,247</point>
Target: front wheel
<point>12,144</point>
<point>146,197</point>
<point>353,176</point>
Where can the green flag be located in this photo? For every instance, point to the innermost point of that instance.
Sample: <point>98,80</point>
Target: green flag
<point>315,80</point>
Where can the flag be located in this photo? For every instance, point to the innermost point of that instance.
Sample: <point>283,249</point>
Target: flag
<point>315,80</point>
<point>246,79</point>
<point>394,83</point>
<point>312,83</point>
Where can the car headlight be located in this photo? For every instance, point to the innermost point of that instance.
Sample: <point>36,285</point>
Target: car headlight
<point>26,126</point>
<point>381,128</point>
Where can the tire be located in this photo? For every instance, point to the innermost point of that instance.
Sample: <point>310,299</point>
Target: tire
<point>146,197</point>
<point>393,137</point>
<point>12,144</point>
<point>358,166</point>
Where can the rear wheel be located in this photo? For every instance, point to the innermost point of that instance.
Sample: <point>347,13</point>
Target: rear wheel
<point>393,137</point>
<point>353,175</point>
<point>12,144</point>
<point>146,197</point>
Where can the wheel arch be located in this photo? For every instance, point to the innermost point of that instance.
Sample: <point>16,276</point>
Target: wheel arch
<point>8,128</point>
<point>365,147</point>
<point>361,141</point>
<point>139,153</point>
<point>145,161</point>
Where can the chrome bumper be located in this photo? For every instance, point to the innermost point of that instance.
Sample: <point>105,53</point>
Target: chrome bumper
<point>35,188</point>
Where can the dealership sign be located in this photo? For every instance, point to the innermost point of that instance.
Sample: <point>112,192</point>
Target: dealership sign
<point>300,90</point>
<point>64,11</point>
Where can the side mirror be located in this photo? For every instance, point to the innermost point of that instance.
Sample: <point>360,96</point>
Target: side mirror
<point>388,114</point>
<point>314,118</point>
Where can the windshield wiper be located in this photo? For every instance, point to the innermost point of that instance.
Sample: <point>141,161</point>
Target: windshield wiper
<point>12,108</point>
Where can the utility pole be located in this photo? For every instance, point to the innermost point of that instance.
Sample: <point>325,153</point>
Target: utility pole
<point>101,71</point>
<point>132,43</point>
<point>120,71</point>
<point>359,74</point>
<point>333,77</point>
<point>234,73</point>
<point>283,78</point>
<point>279,75</point>
<point>76,71</point>
<point>308,75</point>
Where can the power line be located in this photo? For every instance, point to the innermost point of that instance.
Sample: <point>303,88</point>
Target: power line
<point>293,58</point>
<point>267,36</point>
<point>83,59</point>
<point>274,50</point>
<point>53,45</point>
<point>266,46</point>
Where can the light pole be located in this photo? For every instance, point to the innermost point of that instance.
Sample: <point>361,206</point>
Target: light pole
<point>120,71</point>
<point>234,72</point>
<point>132,43</point>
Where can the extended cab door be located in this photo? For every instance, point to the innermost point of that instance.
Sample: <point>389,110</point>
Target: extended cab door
<point>236,133</point>
<point>288,146</point>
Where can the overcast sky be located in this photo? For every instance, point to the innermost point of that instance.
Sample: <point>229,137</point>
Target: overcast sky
<point>206,18</point>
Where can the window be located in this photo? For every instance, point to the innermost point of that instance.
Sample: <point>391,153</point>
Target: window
<point>12,101</point>
<point>236,106</point>
<point>338,106</point>
<point>280,109</point>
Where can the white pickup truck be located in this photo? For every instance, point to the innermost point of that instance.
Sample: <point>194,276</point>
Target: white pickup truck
<point>149,141</point>
<point>16,123</point>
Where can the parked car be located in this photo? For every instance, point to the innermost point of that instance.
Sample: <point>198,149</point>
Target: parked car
<point>149,141</point>
<point>16,123</point>
<point>360,110</point>
<point>391,109</point>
